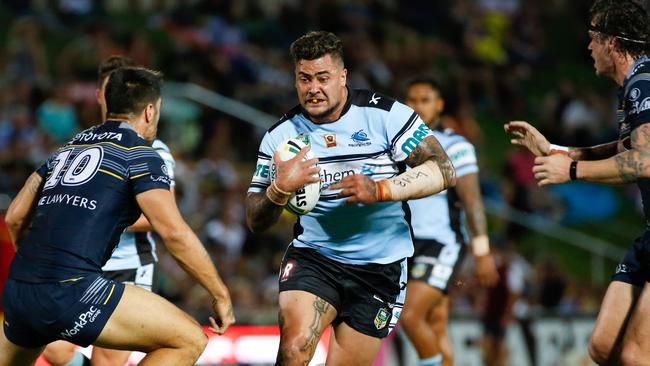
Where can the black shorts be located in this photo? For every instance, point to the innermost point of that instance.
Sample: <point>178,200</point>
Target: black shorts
<point>74,310</point>
<point>435,263</point>
<point>142,276</point>
<point>369,298</point>
<point>635,267</point>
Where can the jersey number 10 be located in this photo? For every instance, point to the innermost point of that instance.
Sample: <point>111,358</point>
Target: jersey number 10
<point>78,171</point>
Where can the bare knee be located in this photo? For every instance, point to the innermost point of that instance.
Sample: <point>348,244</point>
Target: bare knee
<point>59,353</point>
<point>295,349</point>
<point>409,318</point>
<point>194,342</point>
<point>600,349</point>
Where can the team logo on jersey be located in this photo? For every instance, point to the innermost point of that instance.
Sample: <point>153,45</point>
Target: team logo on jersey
<point>360,138</point>
<point>288,270</point>
<point>382,317</point>
<point>164,169</point>
<point>622,268</point>
<point>374,99</point>
<point>330,139</point>
<point>635,94</point>
<point>638,107</point>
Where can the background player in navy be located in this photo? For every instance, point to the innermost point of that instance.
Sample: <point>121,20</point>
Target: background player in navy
<point>66,221</point>
<point>438,227</point>
<point>346,265</point>
<point>133,259</point>
<point>620,47</point>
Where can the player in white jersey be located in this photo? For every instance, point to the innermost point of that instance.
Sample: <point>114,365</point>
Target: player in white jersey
<point>133,259</point>
<point>440,240</point>
<point>346,265</point>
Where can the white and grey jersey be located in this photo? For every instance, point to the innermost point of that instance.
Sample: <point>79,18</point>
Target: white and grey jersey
<point>139,249</point>
<point>441,216</point>
<point>373,135</point>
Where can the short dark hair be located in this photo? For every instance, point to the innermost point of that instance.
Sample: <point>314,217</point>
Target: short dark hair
<point>427,80</point>
<point>111,64</point>
<point>130,89</point>
<point>316,44</point>
<point>626,20</point>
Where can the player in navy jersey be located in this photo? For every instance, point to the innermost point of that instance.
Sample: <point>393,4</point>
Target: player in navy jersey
<point>133,259</point>
<point>439,223</point>
<point>620,47</point>
<point>67,220</point>
<point>346,265</point>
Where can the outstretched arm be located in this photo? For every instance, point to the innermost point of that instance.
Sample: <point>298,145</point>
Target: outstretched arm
<point>524,134</point>
<point>161,211</point>
<point>20,210</point>
<point>625,167</point>
<point>264,208</point>
<point>431,173</point>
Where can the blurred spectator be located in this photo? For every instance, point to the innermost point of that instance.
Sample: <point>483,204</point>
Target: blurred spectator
<point>57,117</point>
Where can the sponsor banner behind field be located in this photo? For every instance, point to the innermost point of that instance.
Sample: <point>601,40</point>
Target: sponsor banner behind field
<point>556,341</point>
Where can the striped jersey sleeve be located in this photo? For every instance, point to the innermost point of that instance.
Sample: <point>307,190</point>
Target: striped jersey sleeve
<point>405,130</point>
<point>163,150</point>
<point>262,175</point>
<point>463,156</point>
<point>147,170</point>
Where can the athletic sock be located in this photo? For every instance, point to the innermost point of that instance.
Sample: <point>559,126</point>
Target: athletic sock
<point>78,360</point>
<point>432,361</point>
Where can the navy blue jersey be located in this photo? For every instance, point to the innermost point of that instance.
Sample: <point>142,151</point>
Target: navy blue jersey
<point>634,111</point>
<point>87,200</point>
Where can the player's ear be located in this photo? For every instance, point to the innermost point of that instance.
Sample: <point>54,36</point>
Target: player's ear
<point>149,112</point>
<point>344,76</point>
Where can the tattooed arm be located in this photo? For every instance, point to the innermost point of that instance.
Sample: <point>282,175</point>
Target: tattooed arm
<point>429,149</point>
<point>431,173</point>
<point>264,208</point>
<point>625,167</point>
<point>261,213</point>
<point>19,213</point>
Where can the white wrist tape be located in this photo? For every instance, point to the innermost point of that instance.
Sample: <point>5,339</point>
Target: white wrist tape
<point>557,149</point>
<point>421,181</point>
<point>480,245</point>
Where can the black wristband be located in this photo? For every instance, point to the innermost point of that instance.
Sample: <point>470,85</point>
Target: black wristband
<point>573,170</point>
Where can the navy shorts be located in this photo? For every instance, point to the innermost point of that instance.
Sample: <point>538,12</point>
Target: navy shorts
<point>635,267</point>
<point>74,310</point>
<point>369,298</point>
<point>435,263</point>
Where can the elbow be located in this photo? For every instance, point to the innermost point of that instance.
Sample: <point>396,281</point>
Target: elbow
<point>175,237</point>
<point>13,223</point>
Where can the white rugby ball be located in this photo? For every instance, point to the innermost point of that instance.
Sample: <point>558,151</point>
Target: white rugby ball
<point>304,199</point>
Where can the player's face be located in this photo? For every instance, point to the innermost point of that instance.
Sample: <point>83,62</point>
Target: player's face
<point>601,48</point>
<point>320,85</point>
<point>425,101</point>
<point>101,99</point>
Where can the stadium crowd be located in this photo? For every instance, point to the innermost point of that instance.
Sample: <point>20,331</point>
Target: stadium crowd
<point>494,57</point>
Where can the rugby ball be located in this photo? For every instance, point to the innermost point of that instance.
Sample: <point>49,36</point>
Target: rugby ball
<point>304,199</point>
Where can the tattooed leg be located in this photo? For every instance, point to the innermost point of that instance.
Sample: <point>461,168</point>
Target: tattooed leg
<point>303,317</point>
